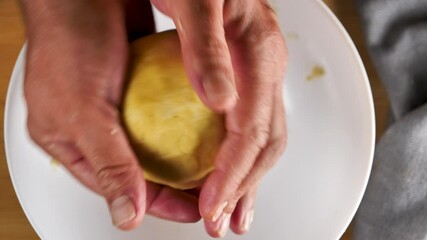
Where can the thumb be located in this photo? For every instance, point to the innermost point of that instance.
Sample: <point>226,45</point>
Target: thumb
<point>119,177</point>
<point>204,48</point>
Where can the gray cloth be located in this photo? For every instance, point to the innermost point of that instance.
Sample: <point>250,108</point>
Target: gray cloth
<point>395,204</point>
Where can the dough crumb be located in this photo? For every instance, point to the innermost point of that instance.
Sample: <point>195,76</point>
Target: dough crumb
<point>316,73</point>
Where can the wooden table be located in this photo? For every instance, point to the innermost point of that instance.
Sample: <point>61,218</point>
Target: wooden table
<point>13,224</point>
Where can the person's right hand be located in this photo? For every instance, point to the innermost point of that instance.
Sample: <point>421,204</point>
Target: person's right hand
<point>76,63</point>
<point>235,57</point>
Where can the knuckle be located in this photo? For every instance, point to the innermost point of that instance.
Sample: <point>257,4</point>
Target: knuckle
<point>42,135</point>
<point>204,7</point>
<point>268,163</point>
<point>258,135</point>
<point>101,110</point>
<point>269,43</point>
<point>114,179</point>
<point>279,145</point>
<point>108,111</point>
<point>273,151</point>
<point>258,34</point>
<point>214,54</point>
<point>215,49</point>
<point>100,118</point>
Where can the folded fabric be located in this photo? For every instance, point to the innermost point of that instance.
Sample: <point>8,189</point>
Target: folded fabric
<point>395,204</point>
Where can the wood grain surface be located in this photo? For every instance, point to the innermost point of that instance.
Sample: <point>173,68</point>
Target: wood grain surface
<point>13,224</point>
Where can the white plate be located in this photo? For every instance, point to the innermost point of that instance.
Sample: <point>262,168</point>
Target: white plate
<point>312,193</point>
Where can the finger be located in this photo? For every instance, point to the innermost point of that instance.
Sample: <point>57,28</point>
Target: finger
<point>104,145</point>
<point>162,202</point>
<point>240,220</point>
<point>270,154</point>
<point>219,228</point>
<point>243,214</point>
<point>274,148</point>
<point>170,204</point>
<point>68,155</point>
<point>248,129</point>
<point>204,48</point>
<point>64,151</point>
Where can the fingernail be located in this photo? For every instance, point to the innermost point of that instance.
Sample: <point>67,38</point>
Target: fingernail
<point>224,225</point>
<point>219,211</point>
<point>122,210</point>
<point>247,220</point>
<point>219,89</point>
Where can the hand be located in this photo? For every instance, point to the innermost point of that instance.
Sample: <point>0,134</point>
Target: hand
<point>76,62</point>
<point>235,57</point>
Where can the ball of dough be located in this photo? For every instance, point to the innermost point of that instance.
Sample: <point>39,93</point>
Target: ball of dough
<point>174,136</point>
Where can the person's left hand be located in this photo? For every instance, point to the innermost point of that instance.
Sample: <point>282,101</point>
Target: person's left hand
<point>235,57</point>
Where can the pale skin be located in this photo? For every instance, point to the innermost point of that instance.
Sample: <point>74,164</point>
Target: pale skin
<point>235,58</point>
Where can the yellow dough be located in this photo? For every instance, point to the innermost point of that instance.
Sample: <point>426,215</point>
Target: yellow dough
<point>173,134</point>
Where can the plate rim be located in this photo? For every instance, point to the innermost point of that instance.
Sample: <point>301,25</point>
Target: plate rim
<point>12,85</point>
<point>348,42</point>
<point>368,90</point>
